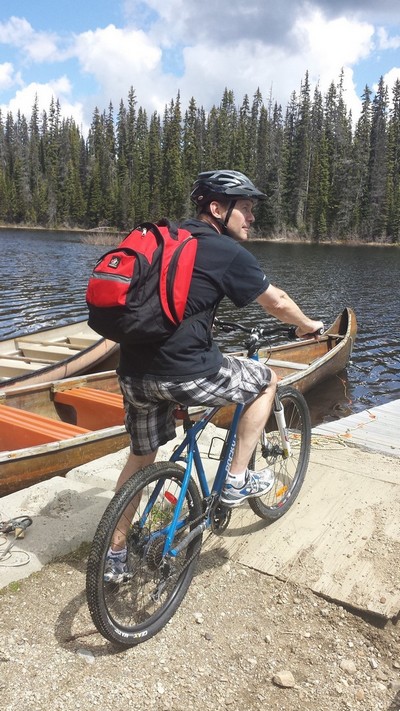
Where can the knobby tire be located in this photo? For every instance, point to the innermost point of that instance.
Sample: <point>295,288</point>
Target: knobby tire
<point>135,609</point>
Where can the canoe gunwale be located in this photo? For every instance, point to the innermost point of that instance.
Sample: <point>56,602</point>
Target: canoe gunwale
<point>59,445</point>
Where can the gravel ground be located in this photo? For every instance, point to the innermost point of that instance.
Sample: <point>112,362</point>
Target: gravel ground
<point>240,640</point>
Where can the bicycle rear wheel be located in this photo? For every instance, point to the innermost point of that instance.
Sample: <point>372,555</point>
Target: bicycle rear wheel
<point>289,471</point>
<point>132,611</point>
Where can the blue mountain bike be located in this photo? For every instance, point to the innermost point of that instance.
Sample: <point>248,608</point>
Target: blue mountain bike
<point>166,507</point>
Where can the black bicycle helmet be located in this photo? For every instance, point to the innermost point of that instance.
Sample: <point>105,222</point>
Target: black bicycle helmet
<point>231,184</point>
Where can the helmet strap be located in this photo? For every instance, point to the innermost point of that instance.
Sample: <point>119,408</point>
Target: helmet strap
<point>222,223</point>
<point>229,213</point>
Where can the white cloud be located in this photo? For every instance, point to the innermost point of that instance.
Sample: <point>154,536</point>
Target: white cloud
<point>386,42</point>
<point>16,31</point>
<point>118,59</point>
<point>7,78</point>
<point>24,100</point>
<point>113,55</point>
<point>317,45</point>
<point>332,43</point>
<point>38,46</point>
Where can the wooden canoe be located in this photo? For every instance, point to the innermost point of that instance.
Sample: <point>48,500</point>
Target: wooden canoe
<point>50,428</point>
<point>53,354</point>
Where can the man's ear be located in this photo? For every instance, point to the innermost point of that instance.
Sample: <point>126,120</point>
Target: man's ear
<point>217,209</point>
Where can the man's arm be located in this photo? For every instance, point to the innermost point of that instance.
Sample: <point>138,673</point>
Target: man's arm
<point>277,303</point>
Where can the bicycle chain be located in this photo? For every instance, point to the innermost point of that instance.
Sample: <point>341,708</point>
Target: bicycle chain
<point>202,517</point>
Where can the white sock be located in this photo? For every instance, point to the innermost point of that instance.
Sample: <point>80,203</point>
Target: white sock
<point>236,480</point>
<point>118,555</point>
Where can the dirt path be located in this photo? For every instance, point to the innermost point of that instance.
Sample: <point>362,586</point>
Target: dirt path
<point>237,637</point>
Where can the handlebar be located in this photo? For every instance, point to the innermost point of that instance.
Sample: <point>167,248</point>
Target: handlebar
<point>257,334</point>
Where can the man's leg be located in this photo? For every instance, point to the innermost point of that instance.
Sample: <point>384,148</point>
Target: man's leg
<point>251,424</point>
<point>133,464</point>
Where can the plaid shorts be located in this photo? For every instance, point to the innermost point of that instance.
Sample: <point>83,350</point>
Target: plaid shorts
<point>150,403</point>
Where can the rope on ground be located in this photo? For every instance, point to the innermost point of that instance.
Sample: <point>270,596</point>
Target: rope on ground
<point>328,441</point>
<point>17,557</point>
<point>12,558</point>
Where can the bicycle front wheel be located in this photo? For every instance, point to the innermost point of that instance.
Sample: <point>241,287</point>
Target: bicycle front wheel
<point>289,468</point>
<point>149,593</point>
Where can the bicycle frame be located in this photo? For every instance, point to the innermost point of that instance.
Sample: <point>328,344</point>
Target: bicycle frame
<point>188,452</point>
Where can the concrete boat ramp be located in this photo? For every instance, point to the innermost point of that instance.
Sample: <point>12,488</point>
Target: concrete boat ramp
<point>341,538</point>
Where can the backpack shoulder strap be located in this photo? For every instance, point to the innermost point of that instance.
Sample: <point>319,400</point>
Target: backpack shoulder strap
<point>177,261</point>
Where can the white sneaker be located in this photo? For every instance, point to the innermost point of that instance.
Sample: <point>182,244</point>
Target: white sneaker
<point>256,484</point>
<point>115,569</point>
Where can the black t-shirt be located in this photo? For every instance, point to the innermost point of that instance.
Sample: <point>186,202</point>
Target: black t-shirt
<point>222,267</point>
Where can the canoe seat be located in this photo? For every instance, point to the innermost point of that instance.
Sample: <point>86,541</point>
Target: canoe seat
<point>95,409</point>
<point>50,352</point>
<point>20,428</point>
<point>286,364</point>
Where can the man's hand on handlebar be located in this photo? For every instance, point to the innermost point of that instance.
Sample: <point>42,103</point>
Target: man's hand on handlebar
<point>315,329</point>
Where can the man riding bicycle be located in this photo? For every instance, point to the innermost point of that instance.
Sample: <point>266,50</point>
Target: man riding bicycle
<point>188,368</point>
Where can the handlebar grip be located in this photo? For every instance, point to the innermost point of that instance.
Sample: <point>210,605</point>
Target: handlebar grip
<point>292,333</point>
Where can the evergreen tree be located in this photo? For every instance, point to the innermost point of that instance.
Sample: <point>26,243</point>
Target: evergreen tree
<point>289,159</point>
<point>359,167</point>
<point>377,177</point>
<point>393,167</point>
<point>155,167</point>
<point>172,190</point>
<point>142,181</point>
<point>192,149</point>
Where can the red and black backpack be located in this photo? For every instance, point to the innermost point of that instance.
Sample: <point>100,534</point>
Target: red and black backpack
<point>137,292</point>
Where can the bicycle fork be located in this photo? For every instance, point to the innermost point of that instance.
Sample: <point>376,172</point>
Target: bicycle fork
<point>279,413</point>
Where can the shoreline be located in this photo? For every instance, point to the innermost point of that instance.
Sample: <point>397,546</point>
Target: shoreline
<point>110,232</point>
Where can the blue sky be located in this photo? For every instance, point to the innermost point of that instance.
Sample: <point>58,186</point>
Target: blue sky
<point>88,53</point>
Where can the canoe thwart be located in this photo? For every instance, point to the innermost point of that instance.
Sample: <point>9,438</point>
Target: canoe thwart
<point>277,363</point>
<point>50,352</point>
<point>94,408</point>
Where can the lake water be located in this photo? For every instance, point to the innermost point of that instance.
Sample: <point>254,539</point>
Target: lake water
<point>43,278</point>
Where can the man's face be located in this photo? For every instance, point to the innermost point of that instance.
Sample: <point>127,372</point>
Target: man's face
<point>241,219</point>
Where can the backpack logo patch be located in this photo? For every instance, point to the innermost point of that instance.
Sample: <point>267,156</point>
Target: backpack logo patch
<point>114,262</point>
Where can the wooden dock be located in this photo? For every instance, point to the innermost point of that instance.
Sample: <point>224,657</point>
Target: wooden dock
<point>342,536</point>
<point>376,429</point>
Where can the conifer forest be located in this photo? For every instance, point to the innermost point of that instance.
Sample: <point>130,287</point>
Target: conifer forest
<point>326,176</point>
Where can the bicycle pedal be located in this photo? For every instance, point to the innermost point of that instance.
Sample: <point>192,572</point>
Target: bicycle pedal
<point>220,519</point>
